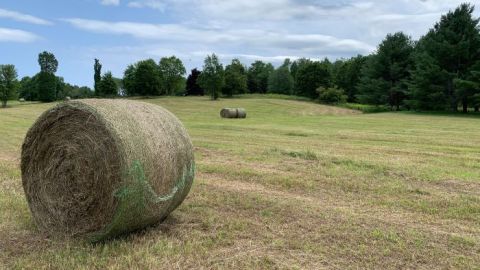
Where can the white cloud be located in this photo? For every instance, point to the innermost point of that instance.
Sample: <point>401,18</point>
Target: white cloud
<point>154,4</point>
<point>20,17</point>
<point>15,35</point>
<point>110,2</point>
<point>247,38</point>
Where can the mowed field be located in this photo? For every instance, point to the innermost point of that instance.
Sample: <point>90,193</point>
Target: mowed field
<point>296,185</point>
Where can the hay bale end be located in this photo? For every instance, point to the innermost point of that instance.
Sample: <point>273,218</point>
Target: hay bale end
<point>101,168</point>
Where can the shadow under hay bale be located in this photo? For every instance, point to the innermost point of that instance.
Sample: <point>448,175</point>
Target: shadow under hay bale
<point>233,113</point>
<point>101,168</point>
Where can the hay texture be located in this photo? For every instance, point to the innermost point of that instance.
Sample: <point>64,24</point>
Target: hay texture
<point>233,113</point>
<point>101,168</point>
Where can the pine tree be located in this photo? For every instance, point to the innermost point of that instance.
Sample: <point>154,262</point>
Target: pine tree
<point>385,75</point>
<point>447,54</point>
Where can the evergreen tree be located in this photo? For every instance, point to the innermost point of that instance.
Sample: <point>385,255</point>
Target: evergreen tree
<point>193,88</point>
<point>384,77</point>
<point>446,54</point>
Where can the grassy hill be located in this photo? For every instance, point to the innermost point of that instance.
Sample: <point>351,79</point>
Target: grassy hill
<point>295,185</point>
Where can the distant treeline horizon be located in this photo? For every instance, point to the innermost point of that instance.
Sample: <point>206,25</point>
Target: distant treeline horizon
<point>440,71</point>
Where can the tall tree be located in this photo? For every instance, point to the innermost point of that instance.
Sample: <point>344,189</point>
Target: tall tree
<point>212,78</point>
<point>47,81</point>
<point>97,77</point>
<point>257,76</point>
<point>281,80</point>
<point>8,83</point>
<point>385,76</point>
<point>172,72</point>
<point>142,79</point>
<point>447,53</point>
<point>107,86</point>
<point>310,76</point>
<point>48,63</point>
<point>235,79</point>
<point>192,87</point>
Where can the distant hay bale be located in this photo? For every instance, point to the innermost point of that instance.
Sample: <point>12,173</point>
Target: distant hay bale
<point>22,100</point>
<point>101,168</point>
<point>233,113</point>
<point>241,113</point>
<point>67,98</point>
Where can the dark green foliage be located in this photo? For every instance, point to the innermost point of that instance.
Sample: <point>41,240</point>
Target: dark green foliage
<point>257,76</point>
<point>48,63</point>
<point>331,95</point>
<point>28,88</point>
<point>8,83</point>
<point>142,79</point>
<point>311,75</point>
<point>108,87</point>
<point>447,54</point>
<point>77,92</point>
<point>385,75</point>
<point>46,86</point>
<point>212,78</point>
<point>171,70</point>
<point>97,77</point>
<point>60,88</point>
<point>346,75</point>
<point>281,81</point>
<point>235,79</point>
<point>192,86</point>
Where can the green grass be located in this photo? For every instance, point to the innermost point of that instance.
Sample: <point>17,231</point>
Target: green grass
<point>295,185</point>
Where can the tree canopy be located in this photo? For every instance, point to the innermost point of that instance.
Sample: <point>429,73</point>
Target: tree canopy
<point>212,78</point>
<point>8,83</point>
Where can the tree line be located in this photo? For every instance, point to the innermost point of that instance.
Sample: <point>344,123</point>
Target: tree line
<point>441,71</point>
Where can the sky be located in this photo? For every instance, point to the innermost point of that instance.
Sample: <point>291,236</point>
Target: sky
<point>121,32</point>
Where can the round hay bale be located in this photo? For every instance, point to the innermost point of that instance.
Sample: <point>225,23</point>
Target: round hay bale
<point>22,100</point>
<point>233,113</point>
<point>228,113</point>
<point>67,98</point>
<point>100,168</point>
<point>241,113</point>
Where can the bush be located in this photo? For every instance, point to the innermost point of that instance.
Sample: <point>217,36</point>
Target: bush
<point>331,95</point>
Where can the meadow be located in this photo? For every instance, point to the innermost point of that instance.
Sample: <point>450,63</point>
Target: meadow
<point>296,185</point>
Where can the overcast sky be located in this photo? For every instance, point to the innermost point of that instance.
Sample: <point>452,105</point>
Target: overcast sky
<point>120,32</point>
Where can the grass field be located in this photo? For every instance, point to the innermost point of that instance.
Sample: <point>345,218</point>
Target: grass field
<point>296,185</point>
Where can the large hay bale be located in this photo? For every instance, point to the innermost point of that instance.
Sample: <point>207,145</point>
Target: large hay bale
<point>100,168</point>
<point>233,113</point>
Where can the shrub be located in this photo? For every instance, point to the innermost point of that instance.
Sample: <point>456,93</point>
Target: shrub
<point>331,95</point>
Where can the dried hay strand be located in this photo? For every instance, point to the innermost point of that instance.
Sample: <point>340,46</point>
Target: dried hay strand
<point>101,168</point>
<point>233,113</point>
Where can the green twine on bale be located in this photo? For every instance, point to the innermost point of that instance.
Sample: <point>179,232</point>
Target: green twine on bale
<point>135,199</point>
